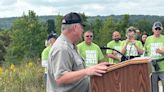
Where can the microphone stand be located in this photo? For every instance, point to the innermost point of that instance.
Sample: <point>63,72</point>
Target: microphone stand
<point>123,56</point>
<point>155,63</point>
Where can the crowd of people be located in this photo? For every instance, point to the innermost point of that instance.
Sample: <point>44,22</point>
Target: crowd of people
<point>70,64</point>
<point>151,46</point>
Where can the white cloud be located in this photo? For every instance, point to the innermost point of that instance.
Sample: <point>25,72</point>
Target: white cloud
<point>7,2</point>
<point>11,8</point>
<point>92,7</point>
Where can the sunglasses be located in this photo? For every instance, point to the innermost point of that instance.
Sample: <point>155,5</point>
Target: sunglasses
<point>158,28</point>
<point>89,36</point>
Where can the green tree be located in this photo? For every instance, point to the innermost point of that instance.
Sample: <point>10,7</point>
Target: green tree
<point>86,22</point>
<point>106,33</point>
<point>58,22</point>
<point>123,24</point>
<point>162,21</point>
<point>84,17</point>
<point>96,27</point>
<point>144,26</point>
<point>27,38</point>
<point>4,42</point>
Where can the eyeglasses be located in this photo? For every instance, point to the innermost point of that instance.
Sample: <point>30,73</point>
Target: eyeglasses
<point>89,36</point>
<point>158,28</point>
<point>131,30</point>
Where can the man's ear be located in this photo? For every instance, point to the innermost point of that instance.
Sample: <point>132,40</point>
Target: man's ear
<point>75,26</point>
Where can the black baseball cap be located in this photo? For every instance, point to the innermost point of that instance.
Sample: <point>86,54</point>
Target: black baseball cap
<point>54,35</point>
<point>72,18</point>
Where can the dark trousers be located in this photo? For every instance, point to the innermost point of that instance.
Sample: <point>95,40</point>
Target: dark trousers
<point>45,78</point>
<point>155,77</point>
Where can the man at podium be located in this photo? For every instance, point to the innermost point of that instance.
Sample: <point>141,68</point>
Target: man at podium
<point>66,69</point>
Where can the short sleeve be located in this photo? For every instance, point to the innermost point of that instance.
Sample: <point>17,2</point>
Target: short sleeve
<point>140,44</point>
<point>61,62</point>
<point>100,54</point>
<point>109,51</point>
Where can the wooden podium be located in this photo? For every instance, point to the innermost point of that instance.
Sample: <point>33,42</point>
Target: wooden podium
<point>128,76</point>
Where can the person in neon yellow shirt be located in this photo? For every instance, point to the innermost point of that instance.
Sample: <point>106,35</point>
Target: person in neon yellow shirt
<point>153,47</point>
<point>45,53</point>
<point>113,56</point>
<point>131,47</point>
<point>89,51</point>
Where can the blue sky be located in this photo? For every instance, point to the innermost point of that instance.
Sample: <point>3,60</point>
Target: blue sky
<point>12,8</point>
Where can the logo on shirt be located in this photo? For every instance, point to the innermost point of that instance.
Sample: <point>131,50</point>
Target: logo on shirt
<point>153,48</point>
<point>91,58</point>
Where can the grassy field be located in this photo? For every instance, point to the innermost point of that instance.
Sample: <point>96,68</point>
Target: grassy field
<point>23,78</point>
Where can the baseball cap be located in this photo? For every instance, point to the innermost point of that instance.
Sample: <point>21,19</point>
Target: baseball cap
<point>137,31</point>
<point>54,35</point>
<point>130,29</point>
<point>157,25</point>
<point>72,18</point>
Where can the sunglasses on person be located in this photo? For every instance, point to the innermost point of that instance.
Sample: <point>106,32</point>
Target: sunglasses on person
<point>158,28</point>
<point>89,36</point>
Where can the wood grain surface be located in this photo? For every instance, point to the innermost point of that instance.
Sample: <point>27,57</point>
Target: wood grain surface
<point>132,77</point>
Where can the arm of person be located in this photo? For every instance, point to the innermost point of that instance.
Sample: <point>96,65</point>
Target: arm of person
<point>44,63</point>
<point>71,77</point>
<point>100,55</point>
<point>113,56</point>
<point>62,68</point>
<point>139,49</point>
<point>44,58</point>
<point>74,76</point>
<point>124,44</point>
<point>160,51</point>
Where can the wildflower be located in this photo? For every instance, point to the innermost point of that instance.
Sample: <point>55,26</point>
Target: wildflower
<point>1,71</point>
<point>30,64</point>
<point>12,68</point>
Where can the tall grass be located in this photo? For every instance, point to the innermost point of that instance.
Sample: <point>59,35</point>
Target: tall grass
<point>22,78</point>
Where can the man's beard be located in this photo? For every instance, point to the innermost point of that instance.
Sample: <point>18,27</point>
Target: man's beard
<point>117,39</point>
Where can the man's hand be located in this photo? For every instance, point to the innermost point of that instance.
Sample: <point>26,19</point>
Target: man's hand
<point>114,53</point>
<point>159,51</point>
<point>133,42</point>
<point>98,69</point>
<point>127,41</point>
